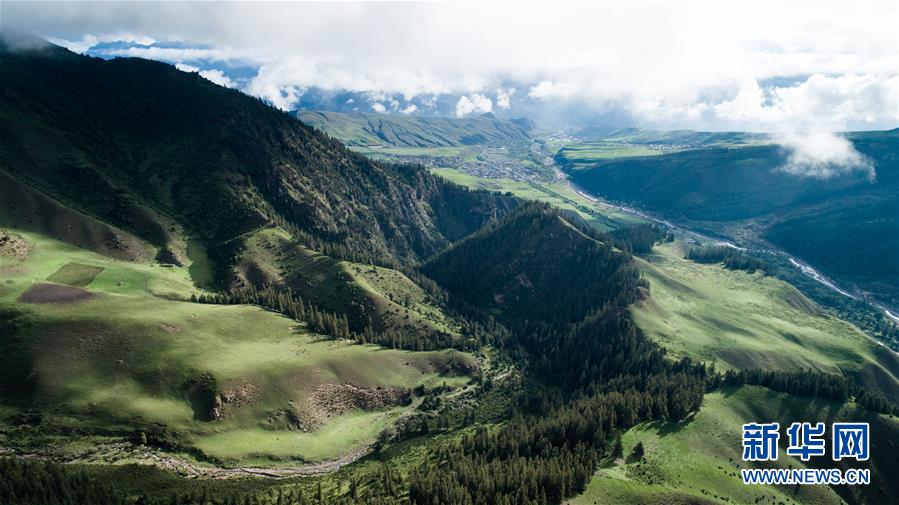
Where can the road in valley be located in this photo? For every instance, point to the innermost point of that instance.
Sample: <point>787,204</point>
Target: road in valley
<point>805,268</point>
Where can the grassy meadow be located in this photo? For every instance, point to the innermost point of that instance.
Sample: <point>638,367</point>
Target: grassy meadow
<point>586,153</point>
<point>127,354</point>
<point>384,296</point>
<point>740,320</point>
<point>557,194</point>
<point>699,461</point>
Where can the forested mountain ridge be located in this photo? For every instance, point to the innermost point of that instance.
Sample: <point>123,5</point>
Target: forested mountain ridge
<point>534,264</point>
<point>161,154</point>
<point>560,287</point>
<point>104,361</point>
<point>365,130</point>
<point>211,159</point>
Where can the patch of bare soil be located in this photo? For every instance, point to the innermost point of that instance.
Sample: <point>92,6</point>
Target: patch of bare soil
<point>340,398</point>
<point>14,245</point>
<point>335,399</point>
<point>237,396</point>
<point>57,294</point>
<point>171,328</point>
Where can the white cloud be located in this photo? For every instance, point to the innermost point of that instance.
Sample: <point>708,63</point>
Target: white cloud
<point>184,67</point>
<point>475,102</point>
<point>410,109</point>
<point>378,107</point>
<point>549,89</point>
<point>218,77</point>
<point>504,97</point>
<point>822,155</point>
<point>214,75</point>
<point>678,64</point>
<point>90,40</point>
<point>820,102</point>
<point>429,101</point>
<point>283,97</point>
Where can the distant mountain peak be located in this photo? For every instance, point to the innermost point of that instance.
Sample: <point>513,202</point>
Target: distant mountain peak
<point>416,131</point>
<point>525,123</point>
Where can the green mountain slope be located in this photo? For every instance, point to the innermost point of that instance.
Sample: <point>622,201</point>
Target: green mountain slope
<point>366,130</point>
<point>113,350</point>
<point>846,225</point>
<point>213,160</point>
<point>711,475</point>
<point>741,320</point>
<point>125,185</point>
<point>537,264</point>
<point>374,298</point>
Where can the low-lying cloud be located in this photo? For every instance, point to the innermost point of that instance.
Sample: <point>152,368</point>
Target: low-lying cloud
<point>214,75</point>
<point>475,102</point>
<point>822,155</point>
<point>759,66</point>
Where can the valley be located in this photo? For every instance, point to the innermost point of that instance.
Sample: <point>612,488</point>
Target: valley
<point>225,303</point>
<point>732,319</point>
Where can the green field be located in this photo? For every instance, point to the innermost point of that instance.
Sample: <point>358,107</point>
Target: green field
<point>586,153</point>
<point>125,354</point>
<point>557,194</point>
<point>741,320</point>
<point>75,274</point>
<point>699,461</point>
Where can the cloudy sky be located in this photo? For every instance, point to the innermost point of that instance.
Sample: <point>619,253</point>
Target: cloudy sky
<point>743,65</point>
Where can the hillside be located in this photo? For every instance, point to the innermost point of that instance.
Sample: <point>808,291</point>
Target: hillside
<point>205,300</point>
<point>374,299</point>
<point>186,157</point>
<point>712,474</point>
<point>130,191</point>
<point>536,264</point>
<point>111,350</point>
<point>368,130</point>
<point>845,225</point>
<point>740,320</point>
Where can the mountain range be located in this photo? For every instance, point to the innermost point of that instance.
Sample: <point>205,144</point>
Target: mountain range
<point>196,284</point>
<point>367,130</point>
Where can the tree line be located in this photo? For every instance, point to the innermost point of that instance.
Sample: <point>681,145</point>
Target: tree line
<point>731,258</point>
<point>813,383</point>
<point>639,239</point>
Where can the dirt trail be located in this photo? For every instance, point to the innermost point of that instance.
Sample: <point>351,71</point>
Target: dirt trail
<point>124,452</point>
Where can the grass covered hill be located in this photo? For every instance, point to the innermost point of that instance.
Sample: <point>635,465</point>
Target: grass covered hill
<point>846,225</point>
<point>742,320</point>
<point>95,351</point>
<point>148,148</point>
<point>711,475</point>
<point>366,130</point>
<point>197,285</point>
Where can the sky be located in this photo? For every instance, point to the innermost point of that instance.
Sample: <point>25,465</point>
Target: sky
<point>722,65</point>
